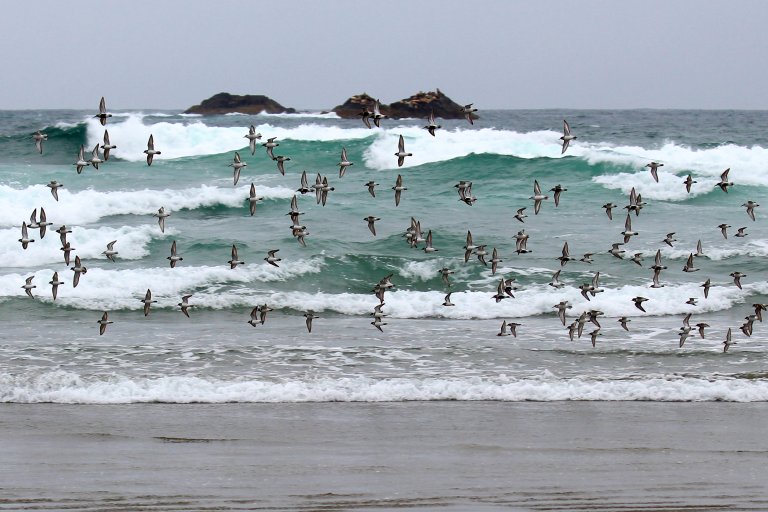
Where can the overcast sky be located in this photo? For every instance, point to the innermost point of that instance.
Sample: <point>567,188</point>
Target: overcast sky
<point>314,54</point>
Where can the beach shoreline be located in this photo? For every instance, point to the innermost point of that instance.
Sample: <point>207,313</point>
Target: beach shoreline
<point>385,456</point>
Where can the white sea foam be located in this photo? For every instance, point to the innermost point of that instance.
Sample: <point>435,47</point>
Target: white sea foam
<point>16,205</point>
<point>87,243</point>
<point>221,288</point>
<point>195,138</point>
<point>103,287</point>
<point>71,388</point>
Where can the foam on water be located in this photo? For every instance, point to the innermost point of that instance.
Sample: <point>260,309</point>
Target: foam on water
<point>16,205</point>
<point>195,138</point>
<point>98,290</point>
<point>87,243</point>
<point>71,388</point>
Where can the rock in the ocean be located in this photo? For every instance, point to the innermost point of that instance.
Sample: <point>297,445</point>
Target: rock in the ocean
<point>225,103</point>
<point>419,106</point>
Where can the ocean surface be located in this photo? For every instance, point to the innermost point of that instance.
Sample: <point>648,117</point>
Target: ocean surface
<point>51,351</point>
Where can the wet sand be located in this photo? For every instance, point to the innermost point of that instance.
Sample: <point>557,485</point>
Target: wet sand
<point>606,456</point>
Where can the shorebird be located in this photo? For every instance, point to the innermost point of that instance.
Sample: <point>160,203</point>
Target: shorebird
<point>503,329</point>
<point>150,151</point>
<point>561,307</point>
<point>185,305</point>
<point>587,258</point>
<point>615,251</point>
<point>555,281</point>
<point>371,184</point>
<point>174,257</point>
<point>270,145</point>
<point>376,115</point>
<point>759,308</point>
<point>25,240</point>
<point>566,256</point>
<point>110,253</point>
<point>237,166</point>
<point>344,163</point>
<point>501,293</point>
<point>398,188</point>
<point>272,258</point>
<point>593,336</point>
<point>147,301</point>
<point>467,110</point>
<point>481,253</point>
<point>465,195</point>
<point>683,333</point>
<point>639,303</point>
<point>637,258</point>
<point>572,329</point>
<point>310,315</point>
<point>81,161</point>
<point>431,124</point>
<point>252,137</point>
<point>537,197</point>
<point>377,323</point>
<point>428,248</point>
<point>699,250</point>
<point>78,269</point>
<point>520,215</point>
<point>107,146</point>
<point>55,283</point>
<point>447,301</point>
<point>495,260</point>
<point>657,266</point>
<point>280,159</point>
<point>444,273</point>
<point>724,183</point>
<point>370,220</point>
<point>39,137</point>
<point>623,321</point>
<point>102,115</point>
<point>325,188</point>
<point>161,216</point>
<point>55,186</point>
<point>104,322</point>
<point>655,170</point>
<point>365,116</point>
<point>62,231</point>
<point>401,153</point>
<point>557,189</point>
<point>27,286</point>
<point>728,341</point>
<point>750,206</point>
<point>567,137</point>
<point>253,199</point>
<point>692,301</point>
<point>689,267</point>
<point>67,248</point>
<point>688,182</point>
<point>740,233</point>
<point>628,233</point>
<point>304,188</point>
<point>263,310</point>
<point>43,223</point>
<point>737,278</point>
<point>608,207</point>
<point>669,239</point>
<point>707,285</point>
<point>254,316</point>
<point>701,326</point>
<point>234,261</point>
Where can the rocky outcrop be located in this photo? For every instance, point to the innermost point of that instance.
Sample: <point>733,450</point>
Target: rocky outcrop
<point>420,105</point>
<point>225,103</point>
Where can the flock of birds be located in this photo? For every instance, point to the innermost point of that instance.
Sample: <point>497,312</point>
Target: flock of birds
<point>413,234</point>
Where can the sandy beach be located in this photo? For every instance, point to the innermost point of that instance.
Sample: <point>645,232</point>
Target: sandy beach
<point>385,456</point>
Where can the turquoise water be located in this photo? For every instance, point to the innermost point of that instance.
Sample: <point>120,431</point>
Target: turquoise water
<point>52,350</point>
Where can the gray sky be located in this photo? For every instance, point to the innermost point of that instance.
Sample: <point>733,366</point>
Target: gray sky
<point>315,54</point>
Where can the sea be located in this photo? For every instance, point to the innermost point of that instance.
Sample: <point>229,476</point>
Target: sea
<point>442,361</point>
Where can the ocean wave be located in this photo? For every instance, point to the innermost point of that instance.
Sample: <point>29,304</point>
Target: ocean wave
<point>72,388</point>
<point>17,204</point>
<point>219,287</point>
<point>87,243</point>
<point>195,138</point>
<point>215,287</point>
